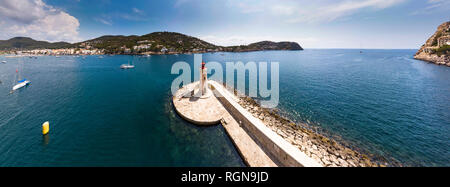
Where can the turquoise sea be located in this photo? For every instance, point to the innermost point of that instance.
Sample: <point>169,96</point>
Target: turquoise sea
<point>381,102</point>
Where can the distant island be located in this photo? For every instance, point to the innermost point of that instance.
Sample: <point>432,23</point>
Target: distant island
<point>153,43</point>
<point>437,47</point>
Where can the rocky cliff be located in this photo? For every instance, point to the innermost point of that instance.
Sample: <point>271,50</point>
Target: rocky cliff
<point>437,47</point>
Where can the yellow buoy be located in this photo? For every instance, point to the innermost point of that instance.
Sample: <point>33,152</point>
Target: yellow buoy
<point>45,128</point>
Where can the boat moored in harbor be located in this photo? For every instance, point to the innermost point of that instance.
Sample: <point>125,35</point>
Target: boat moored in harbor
<point>21,84</point>
<point>20,81</point>
<point>126,66</point>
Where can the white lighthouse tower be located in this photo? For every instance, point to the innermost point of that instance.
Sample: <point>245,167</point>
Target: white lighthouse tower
<point>203,80</point>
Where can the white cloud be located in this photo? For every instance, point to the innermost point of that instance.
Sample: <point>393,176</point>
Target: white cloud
<point>134,15</point>
<point>312,11</point>
<point>283,10</point>
<point>106,21</point>
<point>434,6</point>
<point>137,11</point>
<point>438,3</point>
<point>179,3</point>
<point>344,8</point>
<point>35,19</point>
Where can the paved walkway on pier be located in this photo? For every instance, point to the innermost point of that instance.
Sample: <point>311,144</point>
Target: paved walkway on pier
<point>250,151</point>
<point>198,110</point>
<point>209,111</point>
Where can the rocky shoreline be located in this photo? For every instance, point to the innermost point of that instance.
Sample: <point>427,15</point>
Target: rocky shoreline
<point>436,48</point>
<point>433,58</point>
<point>326,151</point>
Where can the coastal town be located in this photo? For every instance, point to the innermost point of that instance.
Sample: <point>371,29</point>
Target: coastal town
<point>55,52</point>
<point>88,50</point>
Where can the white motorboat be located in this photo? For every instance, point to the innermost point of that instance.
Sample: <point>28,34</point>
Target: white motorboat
<point>126,66</point>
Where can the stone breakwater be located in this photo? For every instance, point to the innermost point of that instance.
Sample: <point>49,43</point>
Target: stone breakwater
<point>258,145</point>
<point>327,152</point>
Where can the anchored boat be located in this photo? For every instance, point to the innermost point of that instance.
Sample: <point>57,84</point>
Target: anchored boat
<point>127,66</point>
<point>21,84</point>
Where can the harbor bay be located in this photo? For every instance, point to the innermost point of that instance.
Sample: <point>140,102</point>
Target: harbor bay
<point>380,102</point>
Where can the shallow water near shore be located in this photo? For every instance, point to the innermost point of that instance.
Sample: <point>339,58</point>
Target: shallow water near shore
<point>381,102</point>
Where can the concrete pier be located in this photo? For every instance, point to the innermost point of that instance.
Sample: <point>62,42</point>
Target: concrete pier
<point>199,110</point>
<point>258,145</point>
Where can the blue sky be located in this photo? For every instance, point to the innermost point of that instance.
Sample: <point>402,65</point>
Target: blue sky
<point>313,24</point>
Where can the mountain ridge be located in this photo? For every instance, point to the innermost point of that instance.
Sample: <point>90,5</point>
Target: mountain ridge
<point>29,43</point>
<point>155,42</point>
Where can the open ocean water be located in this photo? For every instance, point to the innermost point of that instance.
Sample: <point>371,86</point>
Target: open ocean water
<point>381,102</point>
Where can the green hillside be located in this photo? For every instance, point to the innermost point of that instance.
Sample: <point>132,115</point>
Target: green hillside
<point>28,43</point>
<point>156,42</point>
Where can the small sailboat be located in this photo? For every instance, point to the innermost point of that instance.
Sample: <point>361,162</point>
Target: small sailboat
<point>20,84</point>
<point>127,66</point>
